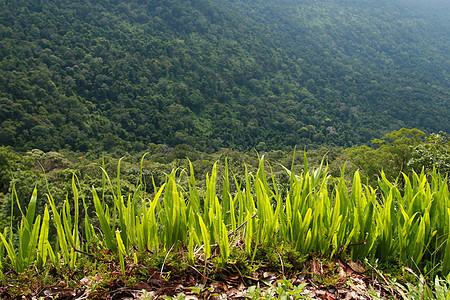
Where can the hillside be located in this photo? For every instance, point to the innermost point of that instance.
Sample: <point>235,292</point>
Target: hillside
<point>111,75</point>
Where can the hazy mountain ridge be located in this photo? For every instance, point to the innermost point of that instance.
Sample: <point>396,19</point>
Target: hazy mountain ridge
<point>112,74</point>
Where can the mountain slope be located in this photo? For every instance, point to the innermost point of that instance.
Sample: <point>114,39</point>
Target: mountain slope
<point>113,75</point>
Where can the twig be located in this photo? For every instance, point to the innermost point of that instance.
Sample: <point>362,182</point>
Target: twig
<point>282,265</point>
<point>232,233</point>
<point>203,276</point>
<point>82,252</point>
<point>240,226</point>
<point>389,283</point>
<point>355,244</point>
<point>240,274</point>
<point>204,272</point>
<point>165,258</point>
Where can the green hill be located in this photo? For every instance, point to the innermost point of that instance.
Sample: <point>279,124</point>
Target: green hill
<point>113,75</point>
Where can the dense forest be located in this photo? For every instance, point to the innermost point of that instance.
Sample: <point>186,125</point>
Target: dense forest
<point>91,76</point>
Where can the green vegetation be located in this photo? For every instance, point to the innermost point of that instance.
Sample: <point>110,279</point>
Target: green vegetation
<point>406,150</point>
<point>402,151</point>
<point>234,86</point>
<point>234,228</point>
<point>111,76</point>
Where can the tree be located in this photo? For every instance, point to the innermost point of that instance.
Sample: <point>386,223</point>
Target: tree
<point>434,153</point>
<point>390,154</point>
<point>399,143</point>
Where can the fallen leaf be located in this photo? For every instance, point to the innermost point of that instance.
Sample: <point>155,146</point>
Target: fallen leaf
<point>59,292</point>
<point>342,273</point>
<point>329,296</point>
<point>155,282</point>
<point>351,295</point>
<point>357,267</point>
<point>316,267</point>
<point>143,286</point>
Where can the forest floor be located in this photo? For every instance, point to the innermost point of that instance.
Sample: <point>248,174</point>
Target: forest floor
<point>317,279</point>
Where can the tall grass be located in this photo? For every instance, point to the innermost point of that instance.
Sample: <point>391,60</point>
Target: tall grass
<point>410,224</point>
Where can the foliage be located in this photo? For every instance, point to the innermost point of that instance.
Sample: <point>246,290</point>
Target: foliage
<point>402,151</point>
<point>434,153</point>
<point>356,223</point>
<point>283,289</point>
<point>108,75</point>
<point>27,171</point>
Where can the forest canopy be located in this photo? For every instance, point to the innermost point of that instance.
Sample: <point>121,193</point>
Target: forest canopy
<point>118,76</point>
